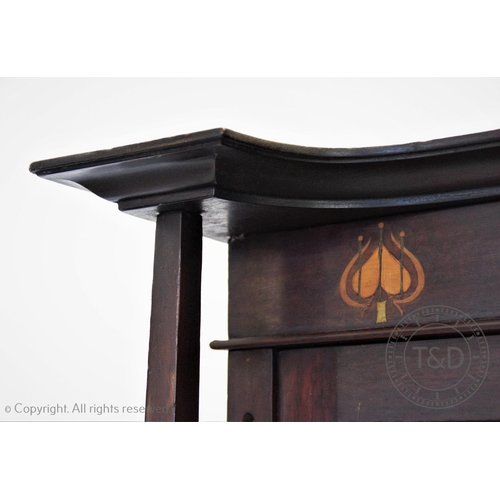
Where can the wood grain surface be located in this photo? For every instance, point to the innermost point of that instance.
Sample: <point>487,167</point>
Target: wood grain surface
<point>289,282</point>
<point>251,386</point>
<point>174,343</point>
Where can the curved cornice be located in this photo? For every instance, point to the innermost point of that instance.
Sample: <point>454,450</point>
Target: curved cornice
<point>244,184</point>
<point>373,153</point>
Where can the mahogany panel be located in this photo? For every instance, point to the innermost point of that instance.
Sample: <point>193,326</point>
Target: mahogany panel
<point>250,386</point>
<point>365,391</point>
<point>290,282</point>
<point>307,385</point>
<point>352,383</point>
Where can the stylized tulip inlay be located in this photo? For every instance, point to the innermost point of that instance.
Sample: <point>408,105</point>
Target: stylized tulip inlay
<point>382,275</point>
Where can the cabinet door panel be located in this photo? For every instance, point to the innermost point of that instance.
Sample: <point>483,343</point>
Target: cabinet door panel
<point>352,383</point>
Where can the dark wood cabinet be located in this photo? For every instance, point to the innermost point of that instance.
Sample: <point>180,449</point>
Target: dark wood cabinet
<point>363,283</point>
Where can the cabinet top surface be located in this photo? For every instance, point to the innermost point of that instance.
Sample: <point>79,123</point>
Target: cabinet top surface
<point>221,136</point>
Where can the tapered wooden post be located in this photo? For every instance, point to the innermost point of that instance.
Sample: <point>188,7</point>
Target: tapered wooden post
<point>174,343</point>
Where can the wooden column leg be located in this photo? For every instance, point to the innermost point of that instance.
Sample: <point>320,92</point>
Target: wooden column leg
<point>174,343</point>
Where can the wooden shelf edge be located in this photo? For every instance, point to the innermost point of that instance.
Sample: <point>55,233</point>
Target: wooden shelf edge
<point>285,341</point>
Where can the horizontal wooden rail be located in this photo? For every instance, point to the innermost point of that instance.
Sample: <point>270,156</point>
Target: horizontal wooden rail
<point>341,338</point>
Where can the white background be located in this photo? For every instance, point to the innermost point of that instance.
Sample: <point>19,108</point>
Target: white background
<point>76,273</point>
